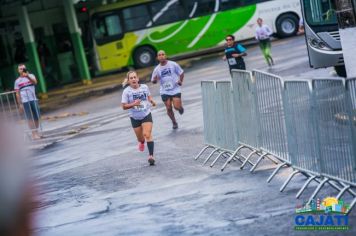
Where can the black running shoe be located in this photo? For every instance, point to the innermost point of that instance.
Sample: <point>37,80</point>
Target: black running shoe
<point>151,161</point>
<point>175,126</point>
<point>181,111</point>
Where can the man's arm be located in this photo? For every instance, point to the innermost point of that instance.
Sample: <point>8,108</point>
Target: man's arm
<point>242,51</point>
<point>32,79</point>
<point>19,102</point>
<point>18,98</point>
<point>154,77</point>
<point>181,78</point>
<point>269,30</point>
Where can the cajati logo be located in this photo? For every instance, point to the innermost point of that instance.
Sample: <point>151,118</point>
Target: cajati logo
<point>326,214</point>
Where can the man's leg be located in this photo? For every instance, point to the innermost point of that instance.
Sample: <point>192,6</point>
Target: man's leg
<point>263,47</point>
<point>177,103</point>
<point>36,118</point>
<point>268,52</point>
<point>170,113</point>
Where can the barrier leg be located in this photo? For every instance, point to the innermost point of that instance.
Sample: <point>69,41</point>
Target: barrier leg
<point>223,154</point>
<point>276,171</point>
<point>258,162</point>
<point>305,186</point>
<point>321,184</point>
<point>247,159</point>
<point>231,157</point>
<point>351,206</point>
<point>346,187</point>
<point>334,185</point>
<point>217,158</point>
<point>271,159</point>
<point>201,152</point>
<point>288,180</point>
<point>351,192</point>
<point>211,154</point>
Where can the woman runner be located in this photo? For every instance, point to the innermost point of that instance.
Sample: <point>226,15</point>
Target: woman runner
<point>138,100</point>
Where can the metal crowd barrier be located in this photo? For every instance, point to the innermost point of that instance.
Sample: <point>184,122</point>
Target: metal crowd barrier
<point>10,111</point>
<point>306,124</point>
<point>218,101</point>
<point>246,119</point>
<point>9,106</point>
<point>302,130</point>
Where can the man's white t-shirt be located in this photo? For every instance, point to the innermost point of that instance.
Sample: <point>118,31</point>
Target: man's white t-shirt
<point>263,32</point>
<point>168,76</point>
<point>26,88</point>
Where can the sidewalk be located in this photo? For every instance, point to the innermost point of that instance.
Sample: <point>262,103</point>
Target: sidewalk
<point>61,97</point>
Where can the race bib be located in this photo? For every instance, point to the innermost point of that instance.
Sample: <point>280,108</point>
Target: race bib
<point>232,61</point>
<point>168,85</point>
<point>142,107</point>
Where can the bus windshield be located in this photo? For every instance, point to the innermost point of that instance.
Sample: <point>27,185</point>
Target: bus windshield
<point>320,12</point>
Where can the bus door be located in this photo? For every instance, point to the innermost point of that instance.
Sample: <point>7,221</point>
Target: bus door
<point>108,34</point>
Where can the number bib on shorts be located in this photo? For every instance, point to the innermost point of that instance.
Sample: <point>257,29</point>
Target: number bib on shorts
<point>232,61</point>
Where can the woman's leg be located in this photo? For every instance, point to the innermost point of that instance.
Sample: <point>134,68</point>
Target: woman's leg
<point>139,134</point>
<point>147,133</point>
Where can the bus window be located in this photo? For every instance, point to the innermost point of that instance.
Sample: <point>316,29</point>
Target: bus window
<point>203,7</point>
<point>231,4</point>
<point>164,12</point>
<point>136,17</point>
<point>107,28</point>
<point>320,12</point>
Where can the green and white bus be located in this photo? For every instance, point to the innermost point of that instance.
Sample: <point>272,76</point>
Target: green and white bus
<point>129,33</point>
<point>322,35</point>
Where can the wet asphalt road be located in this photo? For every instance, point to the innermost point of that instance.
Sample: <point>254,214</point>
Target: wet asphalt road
<point>98,183</point>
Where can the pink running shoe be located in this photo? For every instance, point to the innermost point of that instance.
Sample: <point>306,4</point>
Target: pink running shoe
<point>141,146</point>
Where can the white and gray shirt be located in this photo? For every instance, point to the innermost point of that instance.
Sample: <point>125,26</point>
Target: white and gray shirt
<point>26,88</point>
<point>168,76</point>
<point>263,32</point>
<point>130,94</point>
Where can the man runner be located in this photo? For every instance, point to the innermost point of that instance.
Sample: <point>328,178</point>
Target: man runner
<point>171,76</point>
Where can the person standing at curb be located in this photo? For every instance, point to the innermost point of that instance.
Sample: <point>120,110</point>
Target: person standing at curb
<point>234,53</point>
<point>301,29</point>
<point>171,76</point>
<point>138,100</point>
<point>263,34</point>
<point>27,100</point>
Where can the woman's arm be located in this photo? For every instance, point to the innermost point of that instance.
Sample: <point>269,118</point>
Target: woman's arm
<point>150,99</point>
<point>127,106</point>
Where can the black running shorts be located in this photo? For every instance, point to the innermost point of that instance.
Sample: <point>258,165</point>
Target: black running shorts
<point>165,97</point>
<point>138,123</point>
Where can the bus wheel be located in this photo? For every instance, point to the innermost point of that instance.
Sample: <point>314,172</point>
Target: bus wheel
<point>287,25</point>
<point>340,71</point>
<point>144,57</point>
